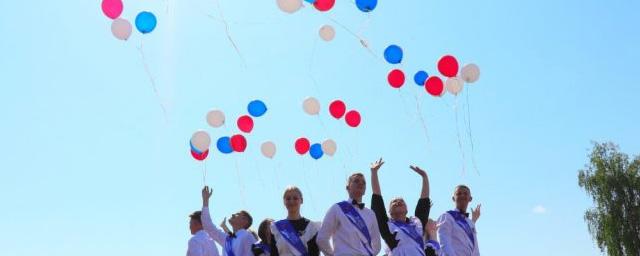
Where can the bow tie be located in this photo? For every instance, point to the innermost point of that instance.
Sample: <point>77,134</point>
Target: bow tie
<point>232,235</point>
<point>360,205</point>
<point>466,214</point>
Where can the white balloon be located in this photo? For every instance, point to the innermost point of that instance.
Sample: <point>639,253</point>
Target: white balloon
<point>311,106</point>
<point>289,6</point>
<point>121,28</point>
<point>201,140</point>
<point>470,73</point>
<point>327,33</point>
<point>215,118</point>
<point>454,85</point>
<point>268,149</point>
<point>329,147</point>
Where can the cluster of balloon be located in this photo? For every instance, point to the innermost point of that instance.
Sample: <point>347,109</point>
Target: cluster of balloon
<point>393,55</point>
<point>199,144</point>
<point>338,109</point>
<point>121,28</point>
<point>237,142</point>
<point>316,150</point>
<point>448,66</point>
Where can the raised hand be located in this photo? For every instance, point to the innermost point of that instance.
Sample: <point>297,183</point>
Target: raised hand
<point>418,170</point>
<point>376,165</point>
<point>431,229</point>
<point>475,213</point>
<point>224,226</point>
<point>206,194</point>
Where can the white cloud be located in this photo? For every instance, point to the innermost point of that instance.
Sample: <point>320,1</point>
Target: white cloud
<point>539,209</point>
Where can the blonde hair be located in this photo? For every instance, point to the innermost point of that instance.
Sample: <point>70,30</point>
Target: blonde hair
<point>292,188</point>
<point>353,176</point>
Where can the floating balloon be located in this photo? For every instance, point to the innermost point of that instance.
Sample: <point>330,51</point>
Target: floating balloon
<point>366,5</point>
<point>470,73</point>
<point>121,29</point>
<point>112,8</point>
<point>201,140</point>
<point>146,22</point>
<point>194,148</point>
<point>393,54</point>
<point>289,6</point>
<point>311,106</point>
<point>396,78</point>
<point>448,66</point>
<point>329,147</point>
<point>337,109</point>
<point>245,123</point>
<point>268,149</point>
<point>302,146</point>
<point>238,143</point>
<point>215,118</point>
<point>256,108</point>
<point>434,86</point>
<point>324,5</point>
<point>199,156</point>
<point>454,85</point>
<point>352,118</point>
<point>420,77</point>
<point>224,145</point>
<point>327,33</point>
<point>316,151</point>
<point>310,1</point>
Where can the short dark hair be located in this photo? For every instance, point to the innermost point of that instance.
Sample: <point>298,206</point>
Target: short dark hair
<point>353,176</point>
<point>249,218</point>
<point>196,216</point>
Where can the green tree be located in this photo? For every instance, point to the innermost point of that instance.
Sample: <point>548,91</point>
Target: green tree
<point>613,182</point>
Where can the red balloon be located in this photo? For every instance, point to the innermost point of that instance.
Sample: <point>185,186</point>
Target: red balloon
<point>448,66</point>
<point>324,5</point>
<point>238,143</point>
<point>200,157</point>
<point>396,78</point>
<point>337,109</point>
<point>245,124</point>
<point>434,86</point>
<point>302,146</point>
<point>353,118</point>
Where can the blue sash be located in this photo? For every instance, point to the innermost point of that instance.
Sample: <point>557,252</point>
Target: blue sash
<point>461,220</point>
<point>355,219</point>
<point>264,247</point>
<point>291,235</point>
<point>228,245</point>
<point>410,230</point>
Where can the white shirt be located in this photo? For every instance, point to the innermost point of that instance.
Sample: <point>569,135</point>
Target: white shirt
<point>406,245</point>
<point>241,244</point>
<point>453,239</point>
<point>285,248</point>
<point>201,244</point>
<point>346,238</point>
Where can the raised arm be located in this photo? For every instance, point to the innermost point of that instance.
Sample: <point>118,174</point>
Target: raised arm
<point>207,224</point>
<point>375,183</point>
<point>424,193</point>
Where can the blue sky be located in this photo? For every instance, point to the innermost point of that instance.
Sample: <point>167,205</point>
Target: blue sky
<point>90,165</point>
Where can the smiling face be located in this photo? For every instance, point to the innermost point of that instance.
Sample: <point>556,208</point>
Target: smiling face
<point>356,185</point>
<point>292,199</point>
<point>398,209</point>
<point>462,197</point>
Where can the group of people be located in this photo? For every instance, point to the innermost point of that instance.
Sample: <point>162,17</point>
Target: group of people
<point>349,227</point>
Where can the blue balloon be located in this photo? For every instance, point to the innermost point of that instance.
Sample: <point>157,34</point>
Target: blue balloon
<point>224,145</point>
<point>146,22</point>
<point>366,5</point>
<point>316,151</point>
<point>194,149</point>
<point>420,77</point>
<point>393,54</point>
<point>310,1</point>
<point>257,108</point>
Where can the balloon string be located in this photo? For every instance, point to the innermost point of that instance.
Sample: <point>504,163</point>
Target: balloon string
<point>228,33</point>
<point>240,183</point>
<point>455,109</point>
<point>422,122</point>
<point>306,181</point>
<point>468,119</point>
<point>362,40</point>
<point>153,82</point>
<point>204,172</point>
